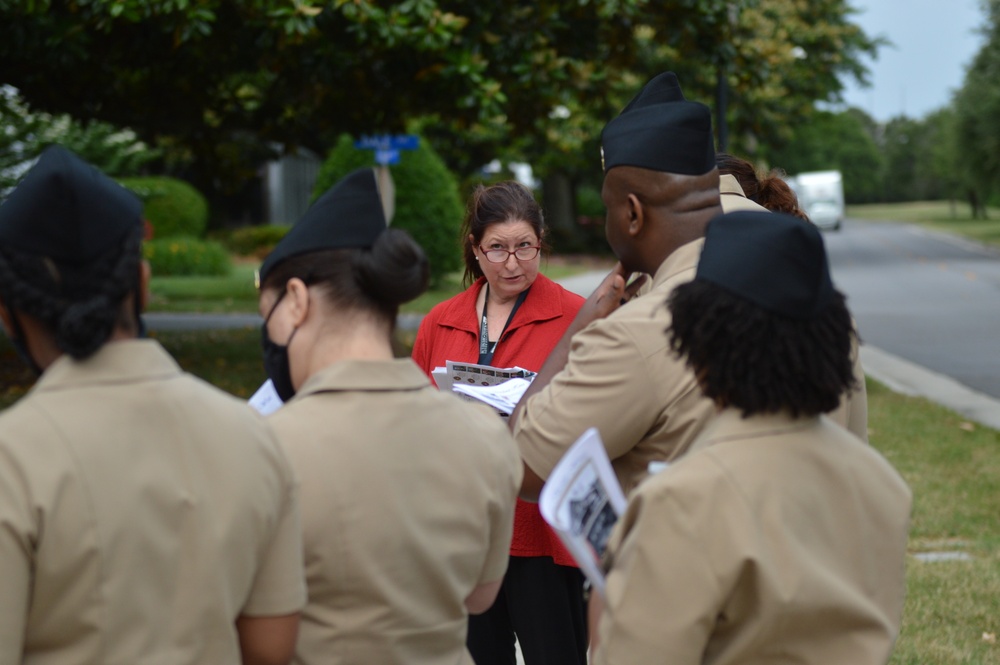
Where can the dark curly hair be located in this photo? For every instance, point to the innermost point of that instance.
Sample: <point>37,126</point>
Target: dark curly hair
<point>502,202</point>
<point>768,190</point>
<point>81,304</point>
<point>761,362</point>
<point>378,280</point>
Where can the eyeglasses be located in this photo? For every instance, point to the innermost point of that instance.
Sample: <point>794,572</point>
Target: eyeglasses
<point>501,255</point>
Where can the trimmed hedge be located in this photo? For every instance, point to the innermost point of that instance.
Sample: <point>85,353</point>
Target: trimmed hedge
<point>173,207</point>
<point>428,205</point>
<point>188,256</point>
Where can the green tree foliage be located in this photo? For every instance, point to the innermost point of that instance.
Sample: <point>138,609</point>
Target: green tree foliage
<point>977,107</point>
<point>841,141</point>
<point>221,82</point>
<point>427,203</point>
<point>24,134</point>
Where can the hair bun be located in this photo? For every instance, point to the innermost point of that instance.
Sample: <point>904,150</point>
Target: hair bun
<point>396,269</point>
<point>84,326</point>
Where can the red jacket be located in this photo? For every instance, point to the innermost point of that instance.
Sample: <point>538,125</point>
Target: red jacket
<point>451,332</point>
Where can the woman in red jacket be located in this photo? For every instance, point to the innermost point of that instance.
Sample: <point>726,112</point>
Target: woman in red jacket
<point>511,315</point>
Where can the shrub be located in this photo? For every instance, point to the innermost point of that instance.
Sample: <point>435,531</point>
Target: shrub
<point>255,241</point>
<point>183,255</point>
<point>172,206</point>
<point>428,206</point>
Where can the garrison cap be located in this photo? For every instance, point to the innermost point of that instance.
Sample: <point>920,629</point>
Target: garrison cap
<point>348,215</point>
<point>67,210</point>
<point>774,260</point>
<point>662,131</point>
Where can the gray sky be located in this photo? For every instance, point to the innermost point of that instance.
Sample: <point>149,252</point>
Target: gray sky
<point>934,41</point>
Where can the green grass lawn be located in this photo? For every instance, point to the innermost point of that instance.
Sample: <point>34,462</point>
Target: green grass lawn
<point>949,217</point>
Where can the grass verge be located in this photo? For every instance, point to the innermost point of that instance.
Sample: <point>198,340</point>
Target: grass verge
<point>952,612</point>
<point>947,216</point>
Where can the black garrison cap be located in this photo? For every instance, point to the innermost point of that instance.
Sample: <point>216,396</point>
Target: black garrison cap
<point>67,210</point>
<point>661,131</point>
<point>348,215</point>
<point>771,259</point>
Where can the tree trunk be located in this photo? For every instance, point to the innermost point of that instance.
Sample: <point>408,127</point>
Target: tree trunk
<point>560,205</point>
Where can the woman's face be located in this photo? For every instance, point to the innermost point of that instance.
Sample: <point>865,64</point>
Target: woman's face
<point>511,276</point>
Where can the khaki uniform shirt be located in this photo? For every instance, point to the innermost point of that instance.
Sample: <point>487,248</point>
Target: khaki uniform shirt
<point>773,540</point>
<point>733,198</point>
<point>852,413</point>
<point>408,501</point>
<point>622,378</point>
<point>141,512</point>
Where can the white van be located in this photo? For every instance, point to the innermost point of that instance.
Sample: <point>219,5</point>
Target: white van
<point>821,196</point>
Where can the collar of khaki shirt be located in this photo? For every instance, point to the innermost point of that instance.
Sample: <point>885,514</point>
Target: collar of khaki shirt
<point>123,361</point>
<point>730,424</point>
<point>366,375</point>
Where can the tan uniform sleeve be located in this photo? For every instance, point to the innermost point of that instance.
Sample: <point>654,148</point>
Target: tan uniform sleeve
<point>508,474</point>
<point>604,385</point>
<point>279,586</point>
<point>665,587</point>
<point>16,536</point>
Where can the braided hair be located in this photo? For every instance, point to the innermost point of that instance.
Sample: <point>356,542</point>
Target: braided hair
<point>80,304</point>
<point>760,362</point>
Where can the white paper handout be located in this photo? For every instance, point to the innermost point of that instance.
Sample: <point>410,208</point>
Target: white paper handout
<point>581,501</point>
<point>476,383</point>
<point>266,399</point>
<point>503,397</point>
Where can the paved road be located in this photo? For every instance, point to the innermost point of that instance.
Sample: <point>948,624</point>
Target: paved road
<point>930,298</point>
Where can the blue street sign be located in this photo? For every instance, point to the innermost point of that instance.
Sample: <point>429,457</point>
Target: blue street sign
<point>388,142</point>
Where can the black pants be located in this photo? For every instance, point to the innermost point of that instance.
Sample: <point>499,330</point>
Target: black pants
<point>542,604</point>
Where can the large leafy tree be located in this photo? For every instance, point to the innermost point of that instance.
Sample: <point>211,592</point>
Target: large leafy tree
<point>977,106</point>
<point>223,81</point>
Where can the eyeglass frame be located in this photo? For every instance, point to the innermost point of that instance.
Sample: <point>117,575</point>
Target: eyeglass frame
<point>486,253</point>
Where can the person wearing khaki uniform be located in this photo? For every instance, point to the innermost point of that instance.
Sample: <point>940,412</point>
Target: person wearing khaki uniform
<point>779,536</point>
<point>772,193</point>
<point>612,369</point>
<point>408,493</point>
<point>145,516</point>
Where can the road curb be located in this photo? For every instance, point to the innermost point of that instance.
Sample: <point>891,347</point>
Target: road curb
<point>902,376</point>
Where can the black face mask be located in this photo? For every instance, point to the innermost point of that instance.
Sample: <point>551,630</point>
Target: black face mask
<point>276,363</point>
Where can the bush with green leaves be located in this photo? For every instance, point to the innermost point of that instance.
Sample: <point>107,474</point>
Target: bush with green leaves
<point>255,241</point>
<point>184,255</point>
<point>428,205</point>
<point>172,206</point>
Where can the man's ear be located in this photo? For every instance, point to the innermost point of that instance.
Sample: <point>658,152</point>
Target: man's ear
<point>298,294</point>
<point>145,273</point>
<point>636,215</point>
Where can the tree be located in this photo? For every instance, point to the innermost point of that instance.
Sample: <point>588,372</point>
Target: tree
<point>841,141</point>
<point>225,84</point>
<point>23,136</point>
<point>977,105</point>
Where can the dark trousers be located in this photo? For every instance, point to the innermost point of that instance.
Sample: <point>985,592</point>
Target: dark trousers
<point>542,604</point>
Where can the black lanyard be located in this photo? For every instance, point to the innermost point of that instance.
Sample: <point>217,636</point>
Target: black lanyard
<point>486,349</point>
